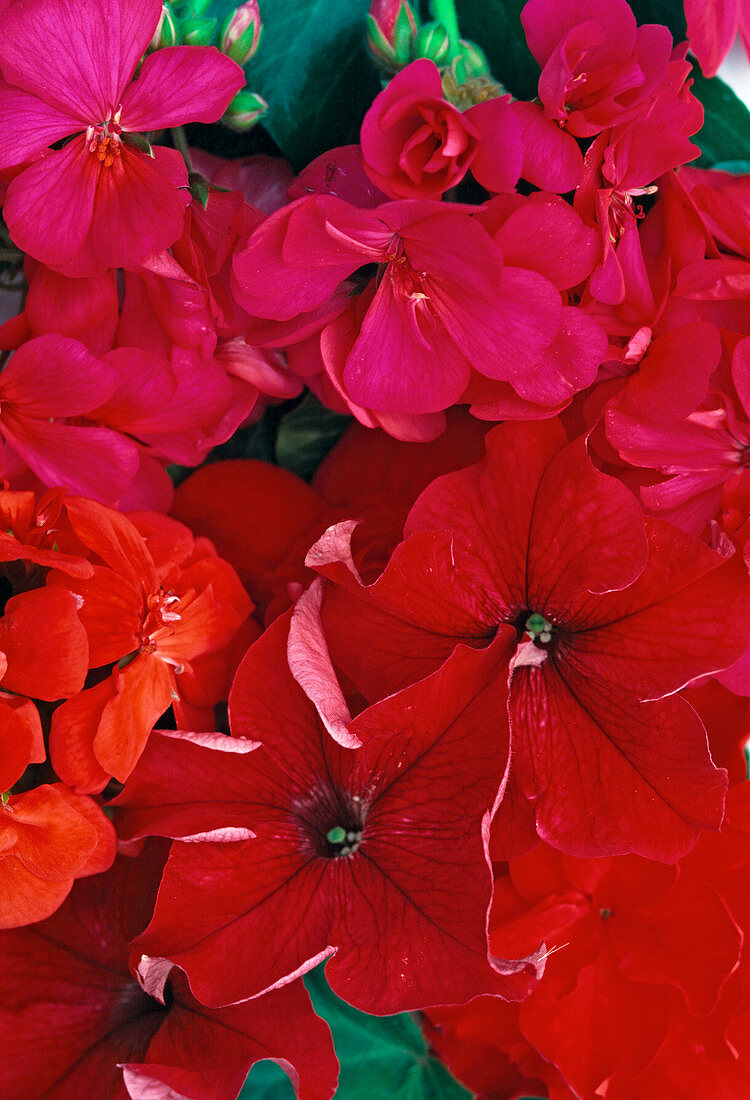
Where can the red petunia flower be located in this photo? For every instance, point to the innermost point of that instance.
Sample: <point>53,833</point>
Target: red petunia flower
<point>611,620</point>
<point>375,856</point>
<point>68,994</point>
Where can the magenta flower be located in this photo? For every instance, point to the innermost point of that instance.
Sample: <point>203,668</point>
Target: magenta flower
<point>100,201</point>
<point>441,303</point>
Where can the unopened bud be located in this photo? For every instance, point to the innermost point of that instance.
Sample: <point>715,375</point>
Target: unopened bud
<point>391,30</point>
<point>433,42</point>
<point>195,8</point>
<point>198,31</point>
<point>240,33</point>
<point>474,59</point>
<point>166,33</point>
<point>244,111</point>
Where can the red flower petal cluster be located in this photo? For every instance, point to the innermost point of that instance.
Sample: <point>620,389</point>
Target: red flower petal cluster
<point>103,1034</point>
<point>150,600</point>
<point>377,857</point>
<point>653,952</point>
<point>611,619</point>
<point>485,751</point>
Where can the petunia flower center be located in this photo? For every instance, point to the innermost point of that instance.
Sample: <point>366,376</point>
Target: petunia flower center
<point>539,629</point>
<point>343,841</point>
<point>330,821</point>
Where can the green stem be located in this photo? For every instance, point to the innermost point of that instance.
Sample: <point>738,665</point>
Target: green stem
<point>445,12</point>
<point>179,138</point>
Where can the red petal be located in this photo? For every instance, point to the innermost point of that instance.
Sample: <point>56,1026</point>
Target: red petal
<point>51,662</point>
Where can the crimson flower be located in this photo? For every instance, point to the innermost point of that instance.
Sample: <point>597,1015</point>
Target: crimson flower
<point>100,201</point>
<point>375,856</point>
<point>611,619</point>
<point>69,994</point>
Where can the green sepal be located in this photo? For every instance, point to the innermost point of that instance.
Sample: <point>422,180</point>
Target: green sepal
<point>379,45</point>
<point>433,42</point>
<point>140,142</point>
<point>168,33</point>
<point>199,188</point>
<point>244,111</point>
<point>474,59</point>
<point>198,31</point>
<point>243,48</point>
<point>403,35</point>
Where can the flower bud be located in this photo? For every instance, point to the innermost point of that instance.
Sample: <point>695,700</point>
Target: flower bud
<point>391,30</point>
<point>198,31</point>
<point>167,32</point>
<point>433,42</point>
<point>474,59</point>
<point>244,111</point>
<point>240,33</point>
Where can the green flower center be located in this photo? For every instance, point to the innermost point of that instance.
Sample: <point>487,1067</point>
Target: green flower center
<point>539,629</point>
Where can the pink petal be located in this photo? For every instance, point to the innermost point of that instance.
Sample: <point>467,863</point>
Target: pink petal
<point>548,236</point>
<point>81,218</point>
<point>499,158</point>
<point>650,394</point>
<point>568,365</point>
<point>180,84</point>
<point>712,28</point>
<point>51,376</point>
<point>28,125</point>
<point>401,361</point>
<point>84,308</point>
<point>274,274</point>
<point>310,664</point>
<point>91,51</point>
<point>552,160</point>
<point>547,21</point>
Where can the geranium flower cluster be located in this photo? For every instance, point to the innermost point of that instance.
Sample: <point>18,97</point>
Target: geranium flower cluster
<point>463,718</point>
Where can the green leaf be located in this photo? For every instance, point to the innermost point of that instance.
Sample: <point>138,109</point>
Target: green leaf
<point>670,13</point>
<point>736,167</point>
<point>495,25</point>
<point>726,130</point>
<point>314,71</point>
<point>380,1056</point>
<point>306,435</point>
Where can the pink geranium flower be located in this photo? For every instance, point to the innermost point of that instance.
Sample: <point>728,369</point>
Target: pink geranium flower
<point>100,201</point>
<point>441,303</point>
<point>598,68</point>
